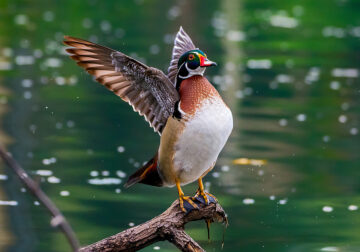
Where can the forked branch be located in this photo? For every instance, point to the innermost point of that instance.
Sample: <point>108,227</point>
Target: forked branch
<point>167,226</point>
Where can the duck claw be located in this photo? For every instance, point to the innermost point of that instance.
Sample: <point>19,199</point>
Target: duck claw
<point>187,204</point>
<point>205,198</point>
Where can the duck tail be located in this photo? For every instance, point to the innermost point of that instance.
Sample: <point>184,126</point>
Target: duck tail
<point>148,174</point>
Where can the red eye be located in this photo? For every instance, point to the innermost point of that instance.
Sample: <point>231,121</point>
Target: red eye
<point>191,57</point>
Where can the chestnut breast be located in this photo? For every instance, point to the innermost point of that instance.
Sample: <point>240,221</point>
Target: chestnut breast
<point>193,91</point>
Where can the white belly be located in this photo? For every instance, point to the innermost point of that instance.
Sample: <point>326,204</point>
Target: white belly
<point>201,141</point>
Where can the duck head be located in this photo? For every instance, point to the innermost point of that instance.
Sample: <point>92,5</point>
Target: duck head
<point>192,63</point>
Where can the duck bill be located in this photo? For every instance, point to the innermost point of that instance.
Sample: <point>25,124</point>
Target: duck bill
<point>204,62</point>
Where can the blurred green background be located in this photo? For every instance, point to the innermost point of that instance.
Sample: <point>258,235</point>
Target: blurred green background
<point>289,70</point>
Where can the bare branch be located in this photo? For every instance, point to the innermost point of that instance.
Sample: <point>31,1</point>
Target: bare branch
<point>58,219</point>
<point>167,226</point>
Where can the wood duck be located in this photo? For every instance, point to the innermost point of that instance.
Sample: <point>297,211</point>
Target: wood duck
<point>191,118</point>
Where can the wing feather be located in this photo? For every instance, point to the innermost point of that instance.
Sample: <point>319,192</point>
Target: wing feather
<point>148,90</point>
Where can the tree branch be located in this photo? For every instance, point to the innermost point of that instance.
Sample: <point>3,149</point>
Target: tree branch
<point>58,219</point>
<point>167,226</point>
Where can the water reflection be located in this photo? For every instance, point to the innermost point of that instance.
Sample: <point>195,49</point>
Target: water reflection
<point>289,72</point>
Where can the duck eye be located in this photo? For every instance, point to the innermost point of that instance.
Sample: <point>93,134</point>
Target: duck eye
<point>191,57</point>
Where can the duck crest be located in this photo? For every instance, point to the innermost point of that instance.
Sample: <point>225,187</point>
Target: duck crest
<point>193,92</point>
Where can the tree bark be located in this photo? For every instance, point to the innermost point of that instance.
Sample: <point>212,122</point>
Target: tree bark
<point>167,226</point>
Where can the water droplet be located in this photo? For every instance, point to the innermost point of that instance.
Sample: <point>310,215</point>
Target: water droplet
<point>44,173</point>
<point>24,60</point>
<point>327,209</point>
<point>154,49</point>
<point>225,168</point>
<point>26,83</point>
<point>342,118</point>
<point>121,174</point>
<point>345,72</point>
<point>94,173</point>
<point>301,117</point>
<point>8,203</point>
<point>60,80</point>
<point>27,95</point>
<point>21,19</point>
<point>354,131</point>
<point>48,16</point>
<point>248,201</point>
<point>87,23</point>
<point>329,249</point>
<point>64,193</point>
<point>283,122</point>
<point>120,149</point>
<point>326,139</point>
<point>53,180</point>
<point>282,201</point>
<point>216,174</point>
<point>105,26</point>
<point>173,12</point>
<point>259,64</point>
<point>105,181</point>
<point>353,208</point>
<point>3,177</point>
<point>334,85</point>
<point>284,21</point>
<point>235,35</point>
<point>105,173</point>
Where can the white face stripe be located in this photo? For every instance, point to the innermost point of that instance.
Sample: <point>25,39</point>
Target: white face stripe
<point>197,71</point>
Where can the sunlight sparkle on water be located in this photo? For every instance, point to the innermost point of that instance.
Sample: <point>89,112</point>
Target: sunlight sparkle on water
<point>282,201</point>
<point>283,21</point>
<point>283,122</point>
<point>354,131</point>
<point>8,203</point>
<point>353,208</point>
<point>3,177</point>
<point>48,161</point>
<point>248,201</point>
<point>120,149</point>
<point>44,172</point>
<point>342,118</point>
<point>120,174</point>
<point>345,72</point>
<point>64,193</point>
<point>24,60</point>
<point>94,173</point>
<point>53,180</point>
<point>259,64</point>
<point>329,249</point>
<point>104,181</point>
<point>327,209</point>
<point>301,117</point>
<point>105,173</point>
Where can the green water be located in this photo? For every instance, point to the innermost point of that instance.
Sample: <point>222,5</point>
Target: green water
<point>289,70</point>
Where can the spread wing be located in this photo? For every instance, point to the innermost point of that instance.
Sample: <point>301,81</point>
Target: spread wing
<point>146,89</point>
<point>182,44</point>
